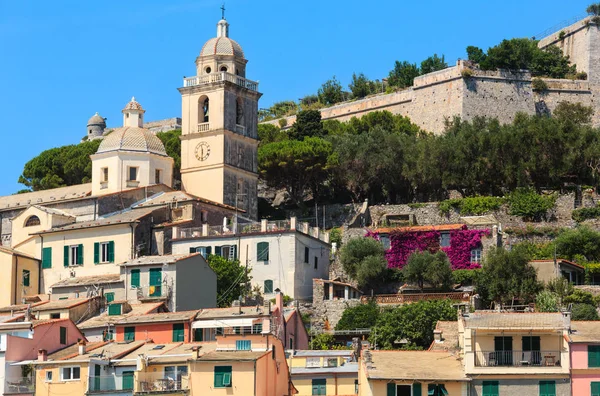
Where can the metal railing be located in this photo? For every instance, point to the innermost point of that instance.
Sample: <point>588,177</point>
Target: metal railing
<point>116,382</point>
<point>19,385</point>
<point>220,76</point>
<point>516,358</point>
<point>410,298</point>
<point>159,382</point>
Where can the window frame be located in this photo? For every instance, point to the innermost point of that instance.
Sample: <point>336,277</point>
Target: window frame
<point>243,345</point>
<point>129,170</point>
<point>223,372</point>
<point>26,277</point>
<point>262,252</point>
<point>129,333</point>
<point>104,174</point>
<point>71,373</point>
<point>476,255</point>
<point>46,257</point>
<point>546,391</point>
<point>596,385</point>
<point>137,273</point>
<point>593,356</point>
<point>48,376</point>
<point>316,263</point>
<point>32,221</point>
<point>493,384</point>
<point>265,286</point>
<point>445,239</point>
<point>306,255</point>
<point>157,176</point>
<point>63,335</point>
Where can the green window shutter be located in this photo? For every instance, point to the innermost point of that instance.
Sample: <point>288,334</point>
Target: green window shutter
<point>262,251</point>
<point>129,333</point>
<point>178,332</point>
<point>110,297</point>
<point>26,276</point>
<point>595,388</point>
<point>111,251</point>
<point>47,257</point>
<point>235,256</point>
<point>208,250</point>
<point>155,276</point>
<point>135,278</point>
<point>223,376</point>
<point>391,389</point>
<point>114,309</point>
<point>490,388</point>
<point>80,254</point>
<point>66,250</point>
<point>127,380</point>
<point>217,250</point>
<point>198,335</point>
<point>547,388</point>
<point>416,389</point>
<point>319,386</point>
<point>593,355</point>
<point>96,252</point>
<point>268,286</point>
<point>63,335</point>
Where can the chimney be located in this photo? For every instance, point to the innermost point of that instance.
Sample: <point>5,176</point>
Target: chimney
<point>196,350</point>
<point>437,335</point>
<point>81,346</point>
<point>279,300</point>
<point>42,355</point>
<point>238,305</point>
<point>567,320</point>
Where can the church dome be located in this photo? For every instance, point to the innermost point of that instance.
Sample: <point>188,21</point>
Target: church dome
<point>96,120</point>
<point>132,139</point>
<point>133,105</point>
<point>222,46</point>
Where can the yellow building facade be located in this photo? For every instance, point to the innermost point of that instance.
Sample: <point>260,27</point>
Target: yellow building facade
<point>20,276</point>
<point>324,372</point>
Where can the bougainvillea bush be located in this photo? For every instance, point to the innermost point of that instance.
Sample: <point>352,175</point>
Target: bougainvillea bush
<point>403,243</point>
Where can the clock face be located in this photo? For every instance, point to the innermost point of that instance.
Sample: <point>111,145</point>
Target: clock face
<point>202,151</point>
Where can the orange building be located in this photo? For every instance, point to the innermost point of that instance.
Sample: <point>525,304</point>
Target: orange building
<point>162,328</point>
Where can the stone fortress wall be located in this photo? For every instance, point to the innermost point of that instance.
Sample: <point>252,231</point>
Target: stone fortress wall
<point>465,91</point>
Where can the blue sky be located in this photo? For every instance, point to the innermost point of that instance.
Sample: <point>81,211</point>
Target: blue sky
<point>62,61</point>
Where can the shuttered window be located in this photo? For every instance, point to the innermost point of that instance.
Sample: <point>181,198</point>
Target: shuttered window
<point>130,333</point>
<point>154,289</point>
<point>243,345</point>
<point>319,386</point>
<point>198,334</point>
<point>306,254</point>
<point>416,389</point>
<point>178,332</point>
<point>547,388</point>
<point>114,309</point>
<point>490,388</point>
<point>135,278</point>
<point>223,377</point>
<point>110,297</point>
<point>262,251</point>
<point>593,356</point>
<point>47,257</point>
<point>26,276</point>
<point>268,286</point>
<point>104,252</point>
<point>63,335</point>
<point>595,388</point>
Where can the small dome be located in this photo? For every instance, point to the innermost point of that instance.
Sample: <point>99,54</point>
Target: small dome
<point>133,105</point>
<point>222,46</point>
<point>132,139</point>
<point>96,120</point>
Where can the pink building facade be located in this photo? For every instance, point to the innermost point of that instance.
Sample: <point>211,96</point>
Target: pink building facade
<point>585,358</point>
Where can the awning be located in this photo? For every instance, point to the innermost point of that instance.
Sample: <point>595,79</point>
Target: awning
<point>215,323</point>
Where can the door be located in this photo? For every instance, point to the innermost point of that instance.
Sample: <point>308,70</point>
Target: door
<point>97,373</point>
<point>531,350</point>
<point>155,282</point>
<point>503,351</point>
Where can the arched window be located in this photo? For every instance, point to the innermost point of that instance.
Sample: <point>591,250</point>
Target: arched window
<point>32,221</point>
<point>268,286</point>
<point>223,68</point>
<point>239,112</point>
<point>203,109</point>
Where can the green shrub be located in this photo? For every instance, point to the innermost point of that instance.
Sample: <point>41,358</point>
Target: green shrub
<point>582,214</point>
<point>546,301</point>
<point>584,312</point>
<point>282,122</point>
<point>531,230</point>
<point>474,206</point>
<point>362,316</point>
<point>465,277</point>
<point>561,35</point>
<point>525,202</point>
<point>536,251</point>
<point>539,85</point>
<point>466,73</point>
<point>580,297</point>
<point>335,236</point>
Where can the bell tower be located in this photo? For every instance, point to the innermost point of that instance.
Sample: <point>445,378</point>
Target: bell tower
<point>219,116</point>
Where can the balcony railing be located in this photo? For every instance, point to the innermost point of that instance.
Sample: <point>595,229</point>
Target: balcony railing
<point>158,382</point>
<point>117,382</point>
<point>278,225</point>
<point>204,127</point>
<point>240,129</point>
<point>517,358</point>
<point>221,76</point>
<point>221,230</point>
<point>19,385</point>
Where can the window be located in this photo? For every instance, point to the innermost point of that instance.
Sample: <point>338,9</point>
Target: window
<point>127,380</point>
<point>205,251</point>
<point>114,309</point>
<point>243,345</point>
<point>306,253</point>
<point>385,241</point>
<point>356,386</point>
<point>73,255</point>
<point>444,239</point>
<point>503,351</point>
<point>63,335</point>
<point>227,251</point>
<point>257,328</point>
<point>490,388</point>
<point>157,174</point>
<point>26,276</point>
<point>198,334</point>
<point>104,252</point>
<point>547,388</point>
<point>331,362</point>
<point>595,388</point>
<point>313,362</point>
<point>70,373</point>
<point>48,376</point>
<point>154,289</point>
<point>110,297</point>
<point>268,286</point>
<point>47,257</point>
<point>133,170</point>
<point>223,68</point>
<point>203,108</point>
<point>208,70</point>
<point>178,332</point>
<point>262,251</point>
<point>222,376</point>
<point>436,390</point>
<point>291,343</point>
<point>593,356</point>
<point>55,315</point>
<point>129,333</point>
<point>32,221</point>
<point>476,256</point>
<point>108,335</point>
<point>531,350</point>
<point>135,278</point>
<point>319,386</point>
<point>104,175</point>
<point>316,262</point>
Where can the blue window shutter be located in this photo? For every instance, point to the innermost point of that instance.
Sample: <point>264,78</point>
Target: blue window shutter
<point>96,252</point>
<point>208,251</point>
<point>111,251</point>
<point>66,250</point>
<point>218,250</point>
<point>416,389</point>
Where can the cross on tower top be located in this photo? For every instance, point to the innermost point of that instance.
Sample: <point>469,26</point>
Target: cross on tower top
<point>223,11</point>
